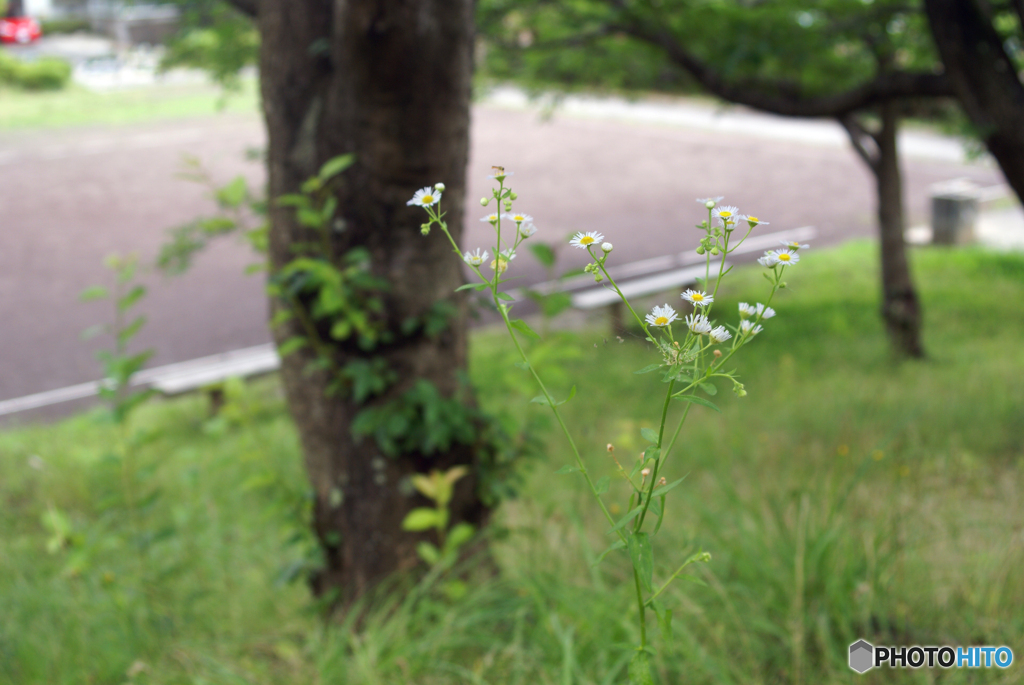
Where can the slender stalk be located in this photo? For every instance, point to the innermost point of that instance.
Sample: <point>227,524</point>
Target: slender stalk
<point>640,603</point>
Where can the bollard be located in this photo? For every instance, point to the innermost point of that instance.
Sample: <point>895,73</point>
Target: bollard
<point>954,212</point>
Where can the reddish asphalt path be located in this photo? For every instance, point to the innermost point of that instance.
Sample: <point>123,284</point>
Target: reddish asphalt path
<point>68,198</point>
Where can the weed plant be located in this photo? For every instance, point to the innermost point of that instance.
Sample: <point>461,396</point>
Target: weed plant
<point>848,497</point>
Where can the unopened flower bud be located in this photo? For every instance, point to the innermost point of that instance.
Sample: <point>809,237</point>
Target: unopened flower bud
<point>714,251</point>
<point>710,204</point>
<point>611,447</point>
<point>662,481</point>
<point>588,268</point>
<point>513,196</point>
<point>425,229</point>
<point>598,277</point>
<point>700,249</point>
<point>484,201</point>
<point>607,247</point>
<point>439,187</point>
<point>645,472</point>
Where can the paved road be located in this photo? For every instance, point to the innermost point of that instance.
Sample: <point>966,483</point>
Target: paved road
<point>69,198</point>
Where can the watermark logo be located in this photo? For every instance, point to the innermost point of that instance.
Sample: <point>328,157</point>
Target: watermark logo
<point>864,656</point>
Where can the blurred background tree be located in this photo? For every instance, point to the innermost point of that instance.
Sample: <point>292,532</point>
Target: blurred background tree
<point>982,47</point>
<point>862,64</point>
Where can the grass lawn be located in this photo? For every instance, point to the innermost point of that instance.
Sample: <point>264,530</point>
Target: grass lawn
<point>845,497</point>
<point>76,106</point>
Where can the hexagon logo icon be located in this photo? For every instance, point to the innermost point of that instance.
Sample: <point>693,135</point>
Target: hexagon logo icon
<point>861,656</point>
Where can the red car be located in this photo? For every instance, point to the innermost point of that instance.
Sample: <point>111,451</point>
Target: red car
<point>19,30</point>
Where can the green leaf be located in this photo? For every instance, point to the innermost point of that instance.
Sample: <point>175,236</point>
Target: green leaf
<point>291,345</point>
<point>475,286</point>
<point>665,623</point>
<point>627,518</point>
<point>335,166</point>
<point>648,369</point>
<point>567,469</point>
<point>508,298</point>
<point>233,194</point>
<point>618,544</point>
<point>129,331</point>
<point>692,579</point>
<point>428,552</point>
<point>709,388</point>
<point>540,399</point>
<point>697,400</point>
<point>459,535</point>
<point>96,292</point>
<point>293,200</point>
<point>133,296</point>
<point>601,486</point>
<point>650,435</point>
<point>421,518</point>
<point>668,486</point>
<point>521,326</point>
<point>543,253</point>
<point>640,669</point>
<point>642,554</point>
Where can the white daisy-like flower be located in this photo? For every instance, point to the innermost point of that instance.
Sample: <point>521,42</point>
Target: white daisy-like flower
<point>785,257</point>
<point>697,297</point>
<point>475,258</point>
<point>754,221</point>
<point>662,316</point>
<point>425,197</point>
<point>768,260</point>
<point>584,240</point>
<point>727,214</point>
<point>747,310</point>
<point>526,230</point>
<point>764,312</point>
<point>500,173</point>
<point>518,217</point>
<point>715,200</point>
<point>719,334</point>
<point>492,218</point>
<point>747,327</point>
<point>792,245</point>
<point>508,255</point>
<point>698,323</point>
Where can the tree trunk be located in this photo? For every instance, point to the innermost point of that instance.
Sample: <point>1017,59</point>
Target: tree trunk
<point>900,308</point>
<point>901,311</point>
<point>984,79</point>
<point>389,81</point>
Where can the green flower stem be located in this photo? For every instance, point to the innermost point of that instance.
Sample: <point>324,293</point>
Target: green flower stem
<point>643,615</point>
<point>600,263</point>
<point>775,289</point>
<point>695,557</point>
<point>657,462</point>
<point>558,416</point>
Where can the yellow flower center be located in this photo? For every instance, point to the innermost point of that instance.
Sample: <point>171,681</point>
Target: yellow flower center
<point>427,199</point>
<point>661,321</point>
<point>753,219</point>
<point>697,297</point>
<point>519,217</point>
<point>783,257</point>
<point>586,240</point>
<point>725,214</point>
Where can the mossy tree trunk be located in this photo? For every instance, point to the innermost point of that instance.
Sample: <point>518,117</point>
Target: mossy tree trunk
<point>388,81</point>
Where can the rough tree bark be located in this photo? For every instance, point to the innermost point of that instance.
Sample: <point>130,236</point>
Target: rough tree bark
<point>389,81</point>
<point>984,79</point>
<point>901,310</point>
